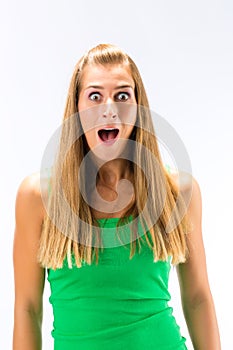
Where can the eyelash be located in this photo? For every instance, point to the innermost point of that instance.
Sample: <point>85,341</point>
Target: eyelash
<point>97,93</point>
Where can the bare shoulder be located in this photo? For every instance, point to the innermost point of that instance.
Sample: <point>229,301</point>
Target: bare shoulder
<point>187,184</point>
<point>189,189</point>
<point>32,193</point>
<point>183,180</point>
<point>34,183</point>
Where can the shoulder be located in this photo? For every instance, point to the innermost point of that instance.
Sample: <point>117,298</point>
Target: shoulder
<point>189,188</point>
<point>32,194</point>
<point>186,182</point>
<point>29,217</point>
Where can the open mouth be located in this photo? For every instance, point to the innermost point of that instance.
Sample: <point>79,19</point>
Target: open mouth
<point>108,134</point>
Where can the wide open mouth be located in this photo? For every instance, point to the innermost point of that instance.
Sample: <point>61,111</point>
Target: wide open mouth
<point>108,134</point>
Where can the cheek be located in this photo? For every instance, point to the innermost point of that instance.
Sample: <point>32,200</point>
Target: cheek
<point>90,139</point>
<point>88,120</point>
<point>129,129</point>
<point>128,114</point>
<point>88,132</point>
<point>129,124</point>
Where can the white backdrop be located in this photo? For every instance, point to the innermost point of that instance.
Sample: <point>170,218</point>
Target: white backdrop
<point>184,51</point>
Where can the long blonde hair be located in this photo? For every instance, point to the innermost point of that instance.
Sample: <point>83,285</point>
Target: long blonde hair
<point>55,246</point>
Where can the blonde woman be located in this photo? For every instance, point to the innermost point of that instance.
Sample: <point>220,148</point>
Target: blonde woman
<point>107,224</point>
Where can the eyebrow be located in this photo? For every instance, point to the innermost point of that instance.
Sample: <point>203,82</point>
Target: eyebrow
<point>102,88</point>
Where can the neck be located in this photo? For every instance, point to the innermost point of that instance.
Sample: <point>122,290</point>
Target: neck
<point>113,171</point>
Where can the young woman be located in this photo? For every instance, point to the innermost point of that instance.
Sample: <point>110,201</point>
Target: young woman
<point>97,227</point>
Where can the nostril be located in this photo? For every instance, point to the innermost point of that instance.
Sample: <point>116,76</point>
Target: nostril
<point>109,111</point>
<point>109,115</point>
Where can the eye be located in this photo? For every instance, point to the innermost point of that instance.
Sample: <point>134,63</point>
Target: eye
<point>94,96</point>
<point>123,96</point>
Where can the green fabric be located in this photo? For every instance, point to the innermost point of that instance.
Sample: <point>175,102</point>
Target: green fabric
<point>117,304</point>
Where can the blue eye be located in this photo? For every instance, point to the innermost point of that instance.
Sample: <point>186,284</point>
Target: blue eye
<point>123,96</point>
<point>94,96</point>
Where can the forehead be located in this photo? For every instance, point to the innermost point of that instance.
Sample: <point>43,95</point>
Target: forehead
<point>97,74</point>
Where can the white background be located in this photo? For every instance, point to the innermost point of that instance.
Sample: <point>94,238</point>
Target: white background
<point>184,51</point>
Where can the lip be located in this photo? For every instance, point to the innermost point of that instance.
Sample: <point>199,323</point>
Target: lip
<point>111,141</point>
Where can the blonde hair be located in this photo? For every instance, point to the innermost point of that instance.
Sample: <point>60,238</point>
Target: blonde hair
<point>55,246</point>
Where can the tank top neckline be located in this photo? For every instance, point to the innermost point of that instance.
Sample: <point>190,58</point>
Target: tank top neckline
<point>114,219</point>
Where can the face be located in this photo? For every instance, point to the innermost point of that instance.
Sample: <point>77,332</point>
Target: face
<point>107,108</point>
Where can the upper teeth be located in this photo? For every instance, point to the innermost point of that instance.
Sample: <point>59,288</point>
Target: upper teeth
<point>109,129</point>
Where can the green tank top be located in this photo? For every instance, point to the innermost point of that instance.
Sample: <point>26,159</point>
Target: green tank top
<point>120,303</point>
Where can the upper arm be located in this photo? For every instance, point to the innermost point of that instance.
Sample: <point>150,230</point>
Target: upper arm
<point>192,274</point>
<point>29,276</point>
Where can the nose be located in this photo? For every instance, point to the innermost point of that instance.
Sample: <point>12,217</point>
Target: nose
<point>110,110</point>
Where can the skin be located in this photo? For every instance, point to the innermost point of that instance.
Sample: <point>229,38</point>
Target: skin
<point>106,99</point>
<point>196,296</point>
<point>29,276</point>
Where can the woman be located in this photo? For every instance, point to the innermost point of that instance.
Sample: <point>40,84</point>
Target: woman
<point>108,185</point>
